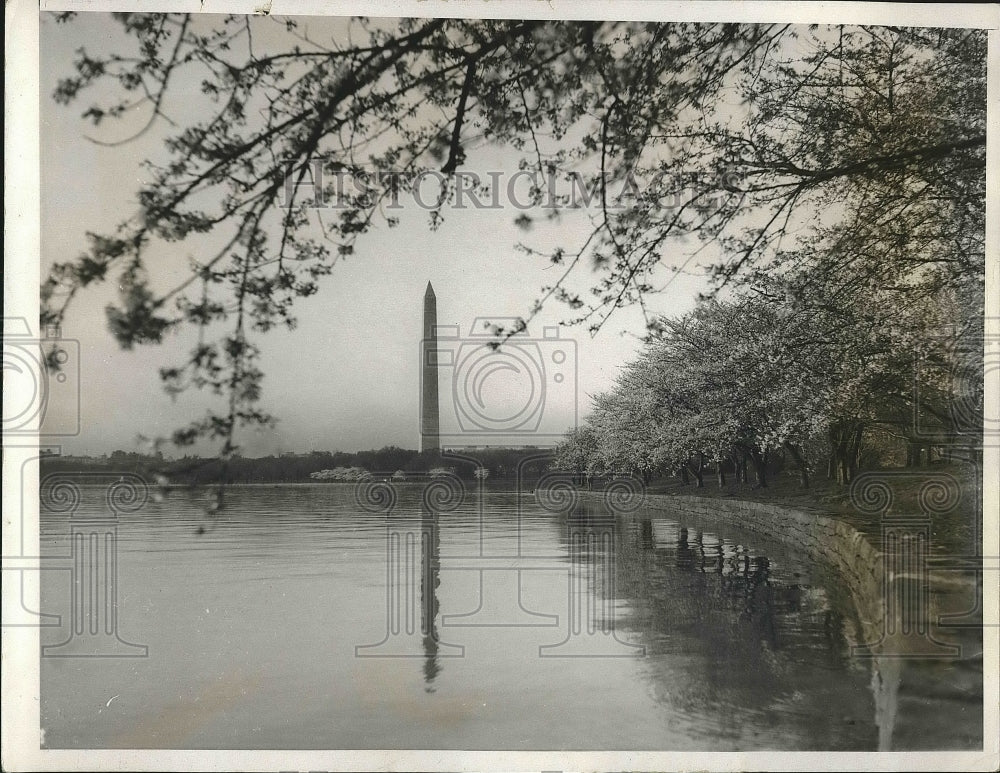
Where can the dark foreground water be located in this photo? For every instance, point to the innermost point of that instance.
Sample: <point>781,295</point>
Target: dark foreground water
<point>496,624</point>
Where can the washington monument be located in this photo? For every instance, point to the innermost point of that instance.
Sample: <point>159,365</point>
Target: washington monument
<point>430,439</point>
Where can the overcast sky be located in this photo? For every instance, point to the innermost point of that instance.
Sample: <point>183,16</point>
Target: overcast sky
<point>348,377</point>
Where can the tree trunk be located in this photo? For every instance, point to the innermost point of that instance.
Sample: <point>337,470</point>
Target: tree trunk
<point>759,466</point>
<point>854,450</point>
<point>684,474</point>
<point>845,439</point>
<point>740,465</point>
<point>699,470</point>
<point>796,453</point>
<point>720,470</point>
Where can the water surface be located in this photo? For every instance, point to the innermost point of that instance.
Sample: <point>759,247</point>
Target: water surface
<point>516,627</point>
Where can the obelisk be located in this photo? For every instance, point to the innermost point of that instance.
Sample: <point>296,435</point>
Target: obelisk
<point>430,430</point>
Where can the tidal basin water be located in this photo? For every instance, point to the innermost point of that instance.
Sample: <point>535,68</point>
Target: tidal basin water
<point>295,618</point>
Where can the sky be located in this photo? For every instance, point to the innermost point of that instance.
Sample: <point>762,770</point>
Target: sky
<point>348,377</point>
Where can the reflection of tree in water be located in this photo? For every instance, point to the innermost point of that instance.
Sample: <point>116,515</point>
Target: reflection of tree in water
<point>721,631</point>
<point>430,580</point>
<point>733,581</point>
<point>744,587</point>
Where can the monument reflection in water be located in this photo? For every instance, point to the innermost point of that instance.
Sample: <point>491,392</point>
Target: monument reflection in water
<point>634,584</point>
<point>413,576</point>
<point>430,580</point>
<point>690,638</point>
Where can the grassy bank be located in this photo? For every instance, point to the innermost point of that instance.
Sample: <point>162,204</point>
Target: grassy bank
<point>954,532</point>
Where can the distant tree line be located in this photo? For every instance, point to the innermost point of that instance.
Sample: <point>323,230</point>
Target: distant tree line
<point>500,464</point>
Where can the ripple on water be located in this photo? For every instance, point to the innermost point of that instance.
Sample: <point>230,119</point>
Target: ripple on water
<point>744,643</point>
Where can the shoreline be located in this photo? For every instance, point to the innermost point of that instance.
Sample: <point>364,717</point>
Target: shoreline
<point>920,668</point>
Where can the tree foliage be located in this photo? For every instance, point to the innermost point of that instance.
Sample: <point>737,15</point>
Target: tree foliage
<point>848,160</point>
<point>758,375</point>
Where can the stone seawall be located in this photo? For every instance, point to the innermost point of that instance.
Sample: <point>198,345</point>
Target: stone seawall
<point>821,537</point>
<point>927,678</point>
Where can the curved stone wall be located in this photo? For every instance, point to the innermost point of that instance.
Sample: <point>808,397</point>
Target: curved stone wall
<point>926,677</point>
